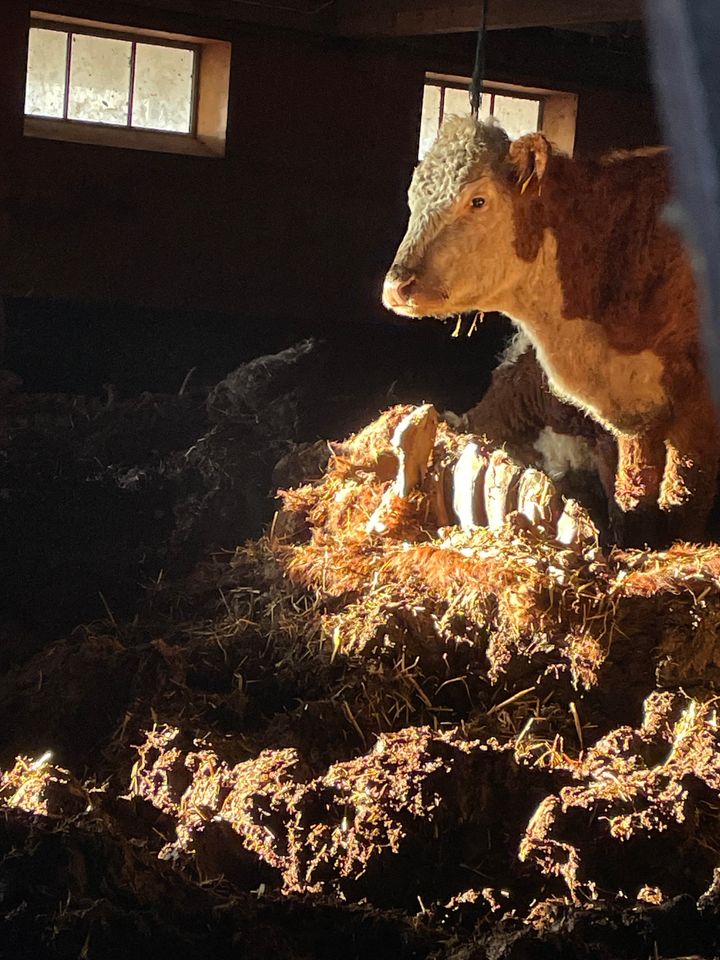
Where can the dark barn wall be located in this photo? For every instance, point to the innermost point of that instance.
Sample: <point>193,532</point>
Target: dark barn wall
<point>608,119</point>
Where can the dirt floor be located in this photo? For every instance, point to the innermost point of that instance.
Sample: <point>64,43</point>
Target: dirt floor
<point>362,731</point>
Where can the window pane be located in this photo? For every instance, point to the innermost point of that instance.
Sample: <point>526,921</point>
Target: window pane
<point>163,88</point>
<point>99,79</point>
<point>430,118</point>
<point>517,115</point>
<point>45,90</point>
<point>457,102</point>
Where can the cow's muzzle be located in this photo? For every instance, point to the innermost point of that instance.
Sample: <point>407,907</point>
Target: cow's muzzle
<point>398,287</point>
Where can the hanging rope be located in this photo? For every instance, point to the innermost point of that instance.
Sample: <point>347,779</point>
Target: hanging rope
<point>475,89</point>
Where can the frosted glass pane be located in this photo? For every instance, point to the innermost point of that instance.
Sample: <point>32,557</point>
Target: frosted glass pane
<point>517,116</point>
<point>45,88</point>
<point>99,79</point>
<point>457,102</point>
<point>163,88</point>
<point>430,118</point>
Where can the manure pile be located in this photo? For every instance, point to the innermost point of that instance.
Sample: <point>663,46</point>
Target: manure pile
<point>427,716</point>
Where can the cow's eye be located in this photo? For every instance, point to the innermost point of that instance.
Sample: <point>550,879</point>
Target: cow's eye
<point>478,201</point>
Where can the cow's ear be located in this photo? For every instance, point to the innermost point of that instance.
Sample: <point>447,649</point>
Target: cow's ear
<point>530,156</point>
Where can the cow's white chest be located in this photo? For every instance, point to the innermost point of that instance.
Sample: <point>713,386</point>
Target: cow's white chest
<point>622,390</point>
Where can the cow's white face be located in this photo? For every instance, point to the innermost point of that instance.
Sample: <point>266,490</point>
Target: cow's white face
<point>458,253</point>
<point>456,258</point>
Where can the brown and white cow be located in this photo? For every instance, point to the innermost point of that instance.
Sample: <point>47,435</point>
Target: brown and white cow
<point>578,255</point>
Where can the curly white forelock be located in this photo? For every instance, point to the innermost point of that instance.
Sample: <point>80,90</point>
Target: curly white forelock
<point>463,145</point>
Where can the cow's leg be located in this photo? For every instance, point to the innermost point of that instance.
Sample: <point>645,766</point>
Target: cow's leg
<point>606,453</point>
<point>690,481</point>
<point>641,462</point>
<point>635,516</point>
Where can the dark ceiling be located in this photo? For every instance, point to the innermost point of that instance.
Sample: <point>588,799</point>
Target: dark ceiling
<point>413,17</point>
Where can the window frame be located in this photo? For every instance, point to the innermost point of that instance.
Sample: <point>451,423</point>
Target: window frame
<point>212,78</point>
<point>557,115</point>
<point>432,80</point>
<point>134,38</point>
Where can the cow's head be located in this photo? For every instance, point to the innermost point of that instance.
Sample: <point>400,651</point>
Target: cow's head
<point>459,250</point>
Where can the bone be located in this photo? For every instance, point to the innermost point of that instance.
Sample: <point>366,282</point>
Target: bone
<point>575,528</point>
<point>538,499</point>
<point>413,442</point>
<point>501,488</point>
<point>469,488</point>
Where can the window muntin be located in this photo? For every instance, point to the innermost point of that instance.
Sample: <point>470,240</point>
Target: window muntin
<point>118,80</point>
<point>518,113</point>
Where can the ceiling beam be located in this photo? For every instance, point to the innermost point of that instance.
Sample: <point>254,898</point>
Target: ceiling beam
<point>306,15</point>
<point>417,17</point>
<point>381,17</point>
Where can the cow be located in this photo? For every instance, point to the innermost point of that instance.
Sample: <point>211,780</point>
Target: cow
<point>520,413</point>
<point>578,255</point>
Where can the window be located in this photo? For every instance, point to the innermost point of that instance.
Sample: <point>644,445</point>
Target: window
<point>104,84</point>
<point>519,110</point>
<point>113,80</point>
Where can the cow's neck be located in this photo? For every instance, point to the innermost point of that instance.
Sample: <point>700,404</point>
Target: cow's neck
<point>623,390</point>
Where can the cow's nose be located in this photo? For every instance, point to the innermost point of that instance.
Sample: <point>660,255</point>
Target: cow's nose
<point>398,288</point>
